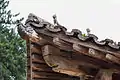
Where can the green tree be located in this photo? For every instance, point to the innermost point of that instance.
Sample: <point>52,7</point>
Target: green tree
<point>12,47</point>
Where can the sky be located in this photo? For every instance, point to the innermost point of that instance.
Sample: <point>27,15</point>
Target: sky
<point>102,17</point>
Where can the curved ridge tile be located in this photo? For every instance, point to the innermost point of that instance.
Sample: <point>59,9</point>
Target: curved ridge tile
<point>89,37</point>
<point>61,27</point>
<point>95,39</point>
<point>106,41</point>
<point>99,43</point>
<point>83,38</point>
<point>37,25</point>
<point>110,43</point>
<point>93,36</point>
<point>51,28</point>
<point>74,33</point>
<point>113,45</point>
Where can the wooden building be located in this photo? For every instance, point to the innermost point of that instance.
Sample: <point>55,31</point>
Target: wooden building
<point>55,54</point>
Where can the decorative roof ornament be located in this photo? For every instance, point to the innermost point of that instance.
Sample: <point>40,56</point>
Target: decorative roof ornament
<point>88,31</point>
<point>55,20</point>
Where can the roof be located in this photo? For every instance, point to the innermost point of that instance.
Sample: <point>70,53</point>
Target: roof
<point>39,23</point>
<point>97,54</point>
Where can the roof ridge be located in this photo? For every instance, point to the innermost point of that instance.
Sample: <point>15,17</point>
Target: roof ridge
<point>76,33</point>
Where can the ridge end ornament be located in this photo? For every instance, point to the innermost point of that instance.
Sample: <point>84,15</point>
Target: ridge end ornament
<point>88,31</point>
<point>55,20</point>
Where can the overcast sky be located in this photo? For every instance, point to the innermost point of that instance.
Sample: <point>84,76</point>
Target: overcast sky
<point>101,16</point>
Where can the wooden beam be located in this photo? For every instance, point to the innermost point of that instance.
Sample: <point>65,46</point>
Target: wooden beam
<point>60,63</point>
<point>37,58</point>
<point>50,51</point>
<point>35,49</point>
<point>80,49</point>
<point>29,60</point>
<point>98,58</point>
<point>88,51</point>
<point>97,54</point>
<point>62,44</point>
<point>93,46</point>
<point>51,76</point>
<point>113,58</point>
